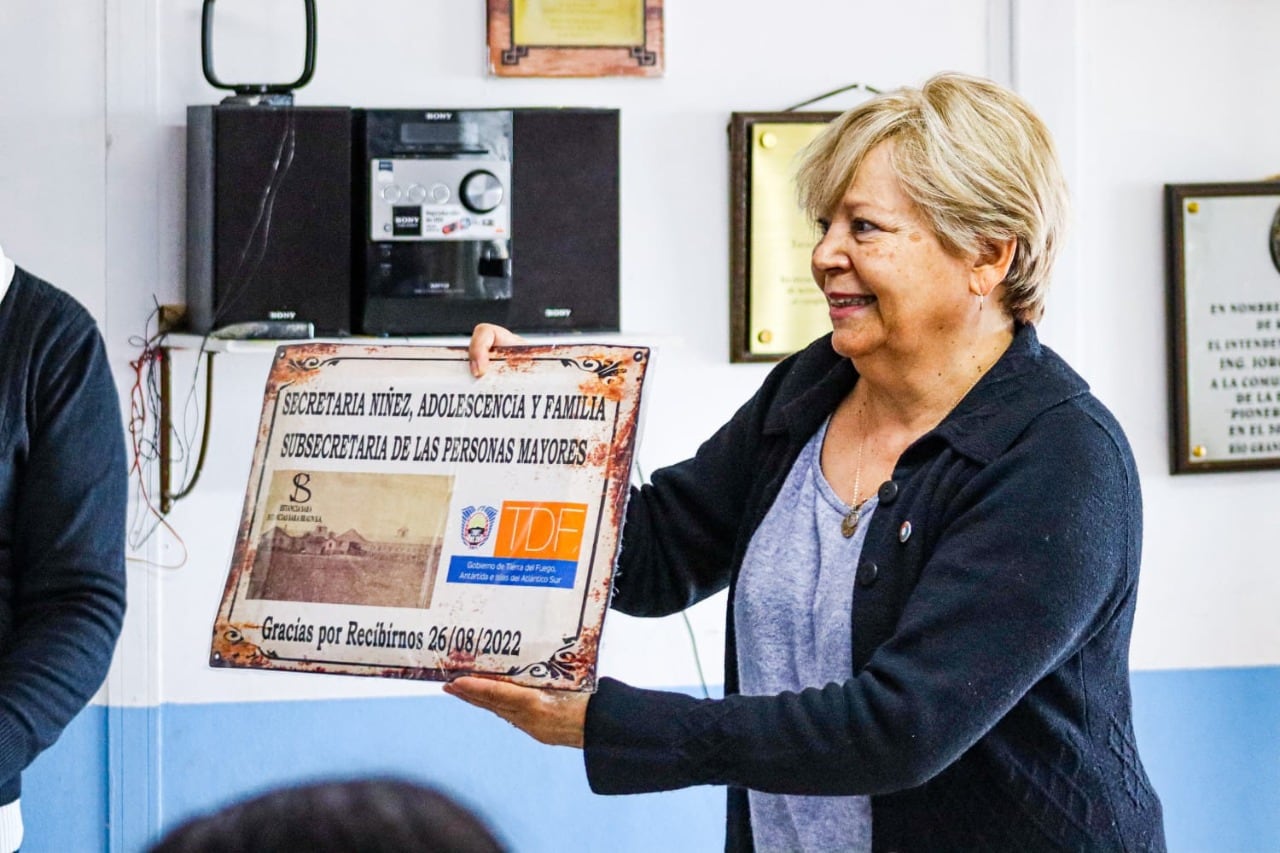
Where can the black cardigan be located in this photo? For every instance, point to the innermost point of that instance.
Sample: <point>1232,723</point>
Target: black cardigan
<point>990,703</point>
<point>63,495</point>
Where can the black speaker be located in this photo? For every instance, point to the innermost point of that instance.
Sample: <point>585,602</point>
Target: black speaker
<point>269,216</point>
<point>503,216</point>
<point>564,230</point>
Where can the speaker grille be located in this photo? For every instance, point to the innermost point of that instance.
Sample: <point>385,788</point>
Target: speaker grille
<point>564,229</point>
<point>282,218</point>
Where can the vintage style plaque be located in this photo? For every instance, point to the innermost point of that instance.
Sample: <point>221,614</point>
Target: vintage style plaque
<point>1224,286</point>
<point>775,308</point>
<point>403,519</point>
<point>575,38</point>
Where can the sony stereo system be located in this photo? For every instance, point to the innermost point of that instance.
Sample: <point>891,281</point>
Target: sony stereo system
<point>330,220</point>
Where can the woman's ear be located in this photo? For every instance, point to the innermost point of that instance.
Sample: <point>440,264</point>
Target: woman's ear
<point>991,264</point>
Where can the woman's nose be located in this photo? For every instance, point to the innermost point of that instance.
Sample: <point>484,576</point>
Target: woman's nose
<point>827,253</point>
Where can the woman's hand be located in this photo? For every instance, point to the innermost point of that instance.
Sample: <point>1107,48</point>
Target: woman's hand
<point>484,338</point>
<point>553,717</point>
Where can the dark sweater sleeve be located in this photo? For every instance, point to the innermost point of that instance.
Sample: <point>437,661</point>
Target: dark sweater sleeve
<point>1038,551</point>
<point>679,535</point>
<point>67,552</point>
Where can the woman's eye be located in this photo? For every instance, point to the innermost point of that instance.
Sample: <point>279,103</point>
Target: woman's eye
<point>862,226</point>
<point>823,226</point>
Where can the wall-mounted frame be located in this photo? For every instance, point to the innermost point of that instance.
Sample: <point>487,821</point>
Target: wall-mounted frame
<point>1223,244</point>
<point>774,306</point>
<point>569,38</point>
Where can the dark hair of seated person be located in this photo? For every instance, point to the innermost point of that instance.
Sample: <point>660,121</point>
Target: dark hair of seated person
<point>353,816</point>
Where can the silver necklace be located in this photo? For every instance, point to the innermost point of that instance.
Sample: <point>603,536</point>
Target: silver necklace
<point>849,524</point>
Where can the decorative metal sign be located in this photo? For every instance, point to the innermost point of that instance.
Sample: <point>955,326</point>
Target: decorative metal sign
<point>403,519</point>
<point>1224,285</point>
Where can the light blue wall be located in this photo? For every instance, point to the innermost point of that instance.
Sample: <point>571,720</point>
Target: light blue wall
<point>1210,740</point>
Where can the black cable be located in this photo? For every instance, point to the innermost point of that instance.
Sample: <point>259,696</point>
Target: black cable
<point>204,432</point>
<point>260,233</point>
<point>872,89</point>
<point>190,412</point>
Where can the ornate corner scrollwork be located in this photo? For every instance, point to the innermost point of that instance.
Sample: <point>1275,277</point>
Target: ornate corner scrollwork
<point>607,371</point>
<point>311,362</point>
<point>564,663</point>
<point>249,652</point>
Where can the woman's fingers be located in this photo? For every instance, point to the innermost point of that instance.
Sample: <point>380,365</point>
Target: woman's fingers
<point>484,338</point>
<point>497,696</point>
<point>551,716</point>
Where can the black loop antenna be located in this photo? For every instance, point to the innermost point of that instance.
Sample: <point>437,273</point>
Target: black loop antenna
<point>249,89</point>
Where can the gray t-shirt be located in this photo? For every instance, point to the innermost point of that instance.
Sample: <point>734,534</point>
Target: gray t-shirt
<point>793,614</point>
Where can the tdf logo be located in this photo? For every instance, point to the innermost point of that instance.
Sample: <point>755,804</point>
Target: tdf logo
<point>540,530</point>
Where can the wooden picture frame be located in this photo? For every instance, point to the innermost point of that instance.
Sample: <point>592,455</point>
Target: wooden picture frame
<point>1223,253</point>
<point>558,38</point>
<point>774,306</point>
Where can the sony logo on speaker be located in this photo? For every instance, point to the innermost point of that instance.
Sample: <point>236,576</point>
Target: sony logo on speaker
<point>440,116</point>
<point>282,315</point>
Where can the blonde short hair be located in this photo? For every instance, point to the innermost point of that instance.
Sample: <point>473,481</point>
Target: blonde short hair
<point>976,160</point>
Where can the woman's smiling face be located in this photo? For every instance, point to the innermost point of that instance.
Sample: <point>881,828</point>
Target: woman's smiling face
<point>890,285</point>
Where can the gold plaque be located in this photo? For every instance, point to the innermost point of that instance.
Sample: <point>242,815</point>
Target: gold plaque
<point>776,308</point>
<point>578,23</point>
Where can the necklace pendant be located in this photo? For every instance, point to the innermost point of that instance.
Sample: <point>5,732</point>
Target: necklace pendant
<point>849,523</point>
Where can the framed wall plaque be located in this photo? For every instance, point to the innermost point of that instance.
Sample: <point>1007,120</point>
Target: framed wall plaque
<point>775,308</point>
<point>575,38</point>
<point>1224,325</point>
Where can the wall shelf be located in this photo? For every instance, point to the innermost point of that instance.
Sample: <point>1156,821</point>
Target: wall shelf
<point>208,343</point>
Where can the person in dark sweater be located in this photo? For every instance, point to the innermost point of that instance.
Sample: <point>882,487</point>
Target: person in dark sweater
<point>929,529</point>
<point>62,523</point>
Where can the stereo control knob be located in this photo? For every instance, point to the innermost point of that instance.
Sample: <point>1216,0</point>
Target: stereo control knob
<point>481,191</point>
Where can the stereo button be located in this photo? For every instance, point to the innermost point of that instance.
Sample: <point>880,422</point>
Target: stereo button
<point>415,194</point>
<point>391,194</point>
<point>439,193</point>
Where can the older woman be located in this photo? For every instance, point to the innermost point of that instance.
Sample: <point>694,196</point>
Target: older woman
<point>929,529</point>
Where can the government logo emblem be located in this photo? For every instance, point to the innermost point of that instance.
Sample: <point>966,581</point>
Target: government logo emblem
<point>477,524</point>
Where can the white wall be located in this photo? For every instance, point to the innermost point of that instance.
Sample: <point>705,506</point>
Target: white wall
<point>1175,91</point>
<point>52,113</point>
<point>674,183</point>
